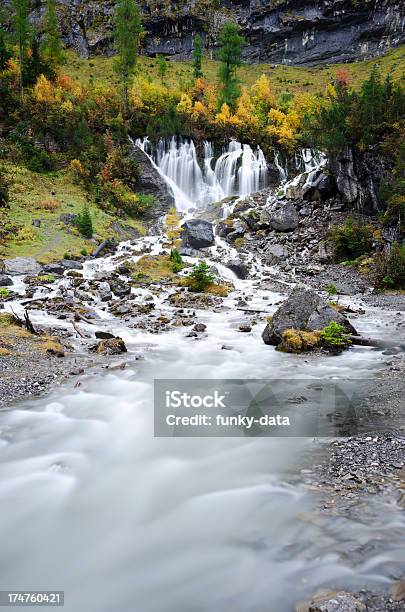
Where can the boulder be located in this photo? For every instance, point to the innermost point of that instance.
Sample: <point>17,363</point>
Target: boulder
<point>108,246</point>
<point>71,264</point>
<point>5,281</point>
<point>54,268</point>
<point>119,288</point>
<point>111,346</point>
<point>151,183</point>
<point>304,310</point>
<point>22,265</point>
<point>188,252</point>
<point>104,292</point>
<point>103,335</point>
<point>36,222</point>
<point>238,267</point>
<point>197,234</point>
<point>285,219</point>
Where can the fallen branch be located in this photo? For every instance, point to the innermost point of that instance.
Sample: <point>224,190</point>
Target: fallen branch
<point>374,342</point>
<point>81,334</point>
<point>28,323</point>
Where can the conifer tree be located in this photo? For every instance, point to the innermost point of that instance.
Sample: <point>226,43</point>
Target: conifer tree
<point>52,47</point>
<point>162,67</point>
<point>85,224</point>
<point>22,34</point>
<point>230,55</point>
<point>5,54</point>
<point>197,57</point>
<point>127,32</point>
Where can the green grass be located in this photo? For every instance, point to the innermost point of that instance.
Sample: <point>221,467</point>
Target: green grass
<point>53,238</point>
<point>282,78</point>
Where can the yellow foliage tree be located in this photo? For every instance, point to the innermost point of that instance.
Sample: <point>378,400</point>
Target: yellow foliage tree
<point>172,223</point>
<point>45,91</point>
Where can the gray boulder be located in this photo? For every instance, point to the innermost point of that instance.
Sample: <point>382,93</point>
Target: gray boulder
<point>104,292</point>
<point>71,264</point>
<point>5,281</point>
<point>197,234</point>
<point>54,268</point>
<point>22,265</point>
<point>238,267</point>
<point>285,219</point>
<point>119,288</point>
<point>304,310</point>
<point>151,183</point>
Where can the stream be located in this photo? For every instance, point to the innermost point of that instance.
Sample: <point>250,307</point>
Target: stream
<point>122,521</point>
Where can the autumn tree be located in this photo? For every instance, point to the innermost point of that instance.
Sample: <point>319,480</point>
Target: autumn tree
<point>197,57</point>
<point>127,32</point>
<point>230,56</point>
<point>51,46</point>
<point>22,34</point>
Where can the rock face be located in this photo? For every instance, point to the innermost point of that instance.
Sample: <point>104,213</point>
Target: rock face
<point>358,178</point>
<point>197,234</point>
<point>286,31</point>
<point>304,310</point>
<point>22,265</point>
<point>151,183</point>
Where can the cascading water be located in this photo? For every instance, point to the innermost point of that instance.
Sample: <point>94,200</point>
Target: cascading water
<point>238,171</point>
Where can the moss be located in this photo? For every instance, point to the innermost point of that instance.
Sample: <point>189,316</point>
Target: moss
<point>153,268</point>
<point>298,341</point>
<point>217,289</point>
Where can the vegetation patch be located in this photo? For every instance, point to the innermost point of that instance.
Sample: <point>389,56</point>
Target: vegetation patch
<point>352,239</point>
<point>153,268</point>
<point>298,341</point>
<point>390,268</point>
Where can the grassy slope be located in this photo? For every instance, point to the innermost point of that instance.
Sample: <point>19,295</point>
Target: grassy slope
<point>291,78</point>
<point>53,239</point>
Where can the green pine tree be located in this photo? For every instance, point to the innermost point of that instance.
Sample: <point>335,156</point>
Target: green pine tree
<point>5,53</point>
<point>162,67</point>
<point>22,35</point>
<point>127,32</point>
<point>197,57</point>
<point>230,56</point>
<point>85,224</point>
<point>51,46</point>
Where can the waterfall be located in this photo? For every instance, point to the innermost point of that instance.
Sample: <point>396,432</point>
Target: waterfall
<point>238,171</point>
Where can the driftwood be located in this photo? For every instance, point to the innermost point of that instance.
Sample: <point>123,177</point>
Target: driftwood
<point>26,322</point>
<point>81,334</point>
<point>374,342</point>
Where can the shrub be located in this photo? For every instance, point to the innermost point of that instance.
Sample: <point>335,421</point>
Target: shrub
<point>4,185</point>
<point>4,292</point>
<point>84,223</point>
<point>26,234</point>
<point>46,278</point>
<point>176,261</point>
<point>84,252</point>
<point>334,335</point>
<point>331,289</point>
<point>201,277</point>
<point>49,204</point>
<point>390,268</point>
<point>352,239</point>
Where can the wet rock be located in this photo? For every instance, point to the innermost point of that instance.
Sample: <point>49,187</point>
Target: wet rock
<point>303,310</point>
<point>104,292</point>
<point>103,335</point>
<point>119,288</point>
<point>238,267</point>
<point>199,327</point>
<point>54,268</point>
<point>22,265</point>
<point>398,590</point>
<point>71,264</point>
<point>150,182</point>
<point>245,327</point>
<point>222,229</point>
<point>69,218</point>
<point>5,281</point>
<point>189,252</point>
<point>111,346</point>
<point>333,602</point>
<point>197,234</point>
<point>285,219</point>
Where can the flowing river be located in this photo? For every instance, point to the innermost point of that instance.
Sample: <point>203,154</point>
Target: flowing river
<point>95,505</point>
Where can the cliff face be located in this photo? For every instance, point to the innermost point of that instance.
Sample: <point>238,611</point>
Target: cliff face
<point>280,31</point>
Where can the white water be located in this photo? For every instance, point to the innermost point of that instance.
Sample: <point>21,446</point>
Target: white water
<point>239,170</point>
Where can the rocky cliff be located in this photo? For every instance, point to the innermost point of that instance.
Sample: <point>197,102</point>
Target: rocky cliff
<point>279,31</point>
